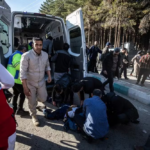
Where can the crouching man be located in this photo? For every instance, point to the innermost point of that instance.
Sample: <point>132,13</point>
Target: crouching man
<point>33,66</point>
<point>120,110</point>
<point>94,123</point>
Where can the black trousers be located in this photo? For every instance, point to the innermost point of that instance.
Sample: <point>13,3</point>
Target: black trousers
<point>124,69</point>
<point>110,80</point>
<point>18,92</point>
<point>145,73</point>
<point>92,66</point>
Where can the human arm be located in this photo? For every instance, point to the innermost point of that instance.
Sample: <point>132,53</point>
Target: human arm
<point>48,71</point>
<point>16,61</point>
<point>53,97</point>
<point>99,51</point>
<point>6,79</point>
<point>133,59</point>
<point>81,96</point>
<point>24,65</point>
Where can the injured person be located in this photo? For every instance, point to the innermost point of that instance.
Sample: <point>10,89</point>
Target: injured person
<point>120,110</point>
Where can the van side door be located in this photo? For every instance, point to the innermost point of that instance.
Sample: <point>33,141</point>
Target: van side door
<point>5,30</point>
<point>76,39</point>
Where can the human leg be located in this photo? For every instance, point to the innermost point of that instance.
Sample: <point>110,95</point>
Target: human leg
<point>145,75</point>
<point>140,75</point>
<point>32,100</point>
<point>110,77</point>
<point>125,72</point>
<point>42,94</point>
<point>15,98</point>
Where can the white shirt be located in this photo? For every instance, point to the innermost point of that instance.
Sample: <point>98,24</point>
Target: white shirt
<point>6,79</point>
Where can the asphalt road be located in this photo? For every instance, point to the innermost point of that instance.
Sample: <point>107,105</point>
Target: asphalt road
<point>51,135</point>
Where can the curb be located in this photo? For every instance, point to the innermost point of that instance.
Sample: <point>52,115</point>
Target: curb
<point>135,92</point>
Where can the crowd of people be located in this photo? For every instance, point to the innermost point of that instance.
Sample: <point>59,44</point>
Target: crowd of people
<point>115,63</point>
<point>26,75</point>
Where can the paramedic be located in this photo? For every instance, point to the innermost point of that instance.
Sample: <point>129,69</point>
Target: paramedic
<point>14,68</point>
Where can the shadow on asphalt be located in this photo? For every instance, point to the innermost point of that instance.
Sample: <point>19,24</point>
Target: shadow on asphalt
<point>33,142</point>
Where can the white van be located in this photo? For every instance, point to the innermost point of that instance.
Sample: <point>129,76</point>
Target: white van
<point>22,26</point>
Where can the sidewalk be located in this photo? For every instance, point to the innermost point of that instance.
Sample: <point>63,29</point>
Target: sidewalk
<point>128,88</point>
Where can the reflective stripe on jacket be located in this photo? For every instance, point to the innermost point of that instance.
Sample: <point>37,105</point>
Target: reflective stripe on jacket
<point>14,66</point>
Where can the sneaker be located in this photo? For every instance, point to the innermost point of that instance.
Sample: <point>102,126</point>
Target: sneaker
<point>35,121</point>
<point>126,78</point>
<point>22,112</point>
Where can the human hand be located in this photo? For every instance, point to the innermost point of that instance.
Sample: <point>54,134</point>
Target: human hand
<point>49,80</point>
<point>81,103</point>
<point>27,91</point>
<point>54,103</point>
<point>105,72</point>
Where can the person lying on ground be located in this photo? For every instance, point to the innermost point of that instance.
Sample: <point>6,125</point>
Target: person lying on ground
<point>87,85</point>
<point>64,112</point>
<point>94,123</point>
<point>62,93</point>
<point>120,110</point>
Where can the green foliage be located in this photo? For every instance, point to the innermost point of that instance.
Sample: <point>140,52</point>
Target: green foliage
<point>128,14</point>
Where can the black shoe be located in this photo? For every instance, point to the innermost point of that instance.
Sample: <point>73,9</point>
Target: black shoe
<point>22,112</point>
<point>142,84</point>
<point>137,83</point>
<point>126,78</point>
<point>135,121</point>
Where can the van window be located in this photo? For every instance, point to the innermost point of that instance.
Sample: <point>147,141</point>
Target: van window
<point>75,40</point>
<point>4,39</point>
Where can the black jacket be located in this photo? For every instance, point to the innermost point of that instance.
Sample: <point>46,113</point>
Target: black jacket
<point>108,63</point>
<point>89,85</point>
<point>118,105</point>
<point>62,61</point>
<point>124,60</point>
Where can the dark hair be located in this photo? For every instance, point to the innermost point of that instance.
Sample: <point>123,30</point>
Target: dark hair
<point>125,49</point>
<point>97,92</point>
<point>76,87</point>
<point>37,39</point>
<point>50,38</point>
<point>57,88</point>
<point>65,46</point>
<point>21,47</point>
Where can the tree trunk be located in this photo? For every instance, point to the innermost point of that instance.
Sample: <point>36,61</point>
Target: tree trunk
<point>126,36</point>
<point>101,37</point>
<point>104,38</point>
<point>123,39</point>
<point>89,35</point>
<point>115,43</point>
<point>110,35</point>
